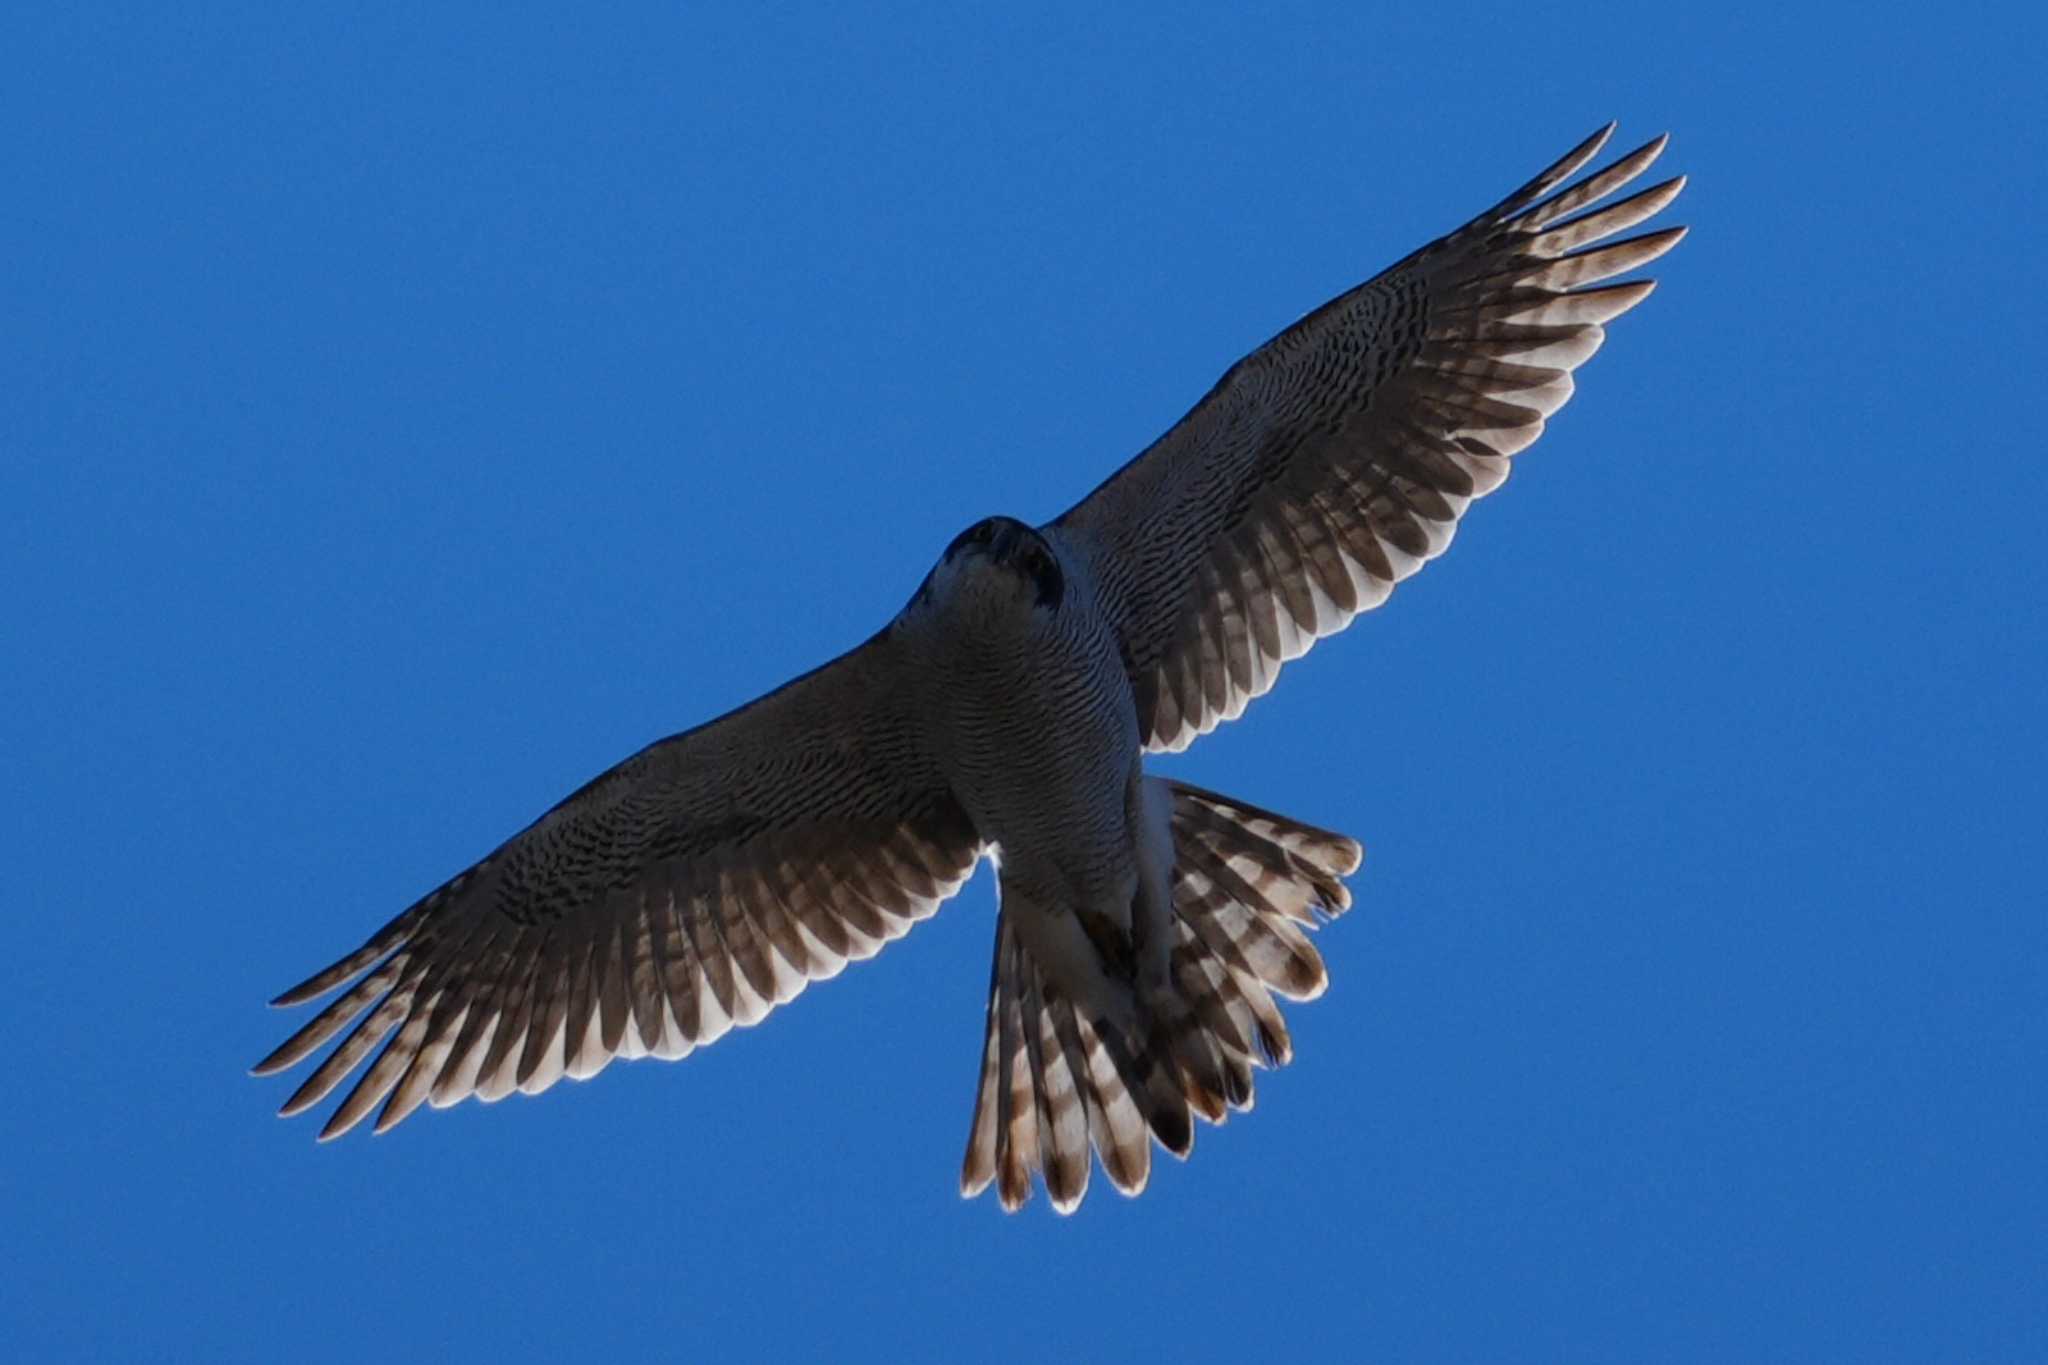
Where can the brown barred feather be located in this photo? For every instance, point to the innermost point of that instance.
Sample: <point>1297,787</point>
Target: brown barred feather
<point>1245,884</point>
<point>627,921</point>
<point>1338,458</point>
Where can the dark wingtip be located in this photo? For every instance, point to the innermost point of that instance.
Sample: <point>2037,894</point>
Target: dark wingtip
<point>277,1059</point>
<point>312,988</point>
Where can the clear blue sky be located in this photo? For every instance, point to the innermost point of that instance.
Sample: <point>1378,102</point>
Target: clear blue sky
<point>405,413</point>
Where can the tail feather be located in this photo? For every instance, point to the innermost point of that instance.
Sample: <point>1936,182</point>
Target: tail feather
<point>1056,1081</point>
<point>978,1167</point>
<point>1150,1072</point>
<point>1056,1072</point>
<point>1227,1020</point>
<point>1124,1143</point>
<point>1261,933</point>
<point>1018,1103</point>
<point>1179,1033</point>
<point>1053,1083</point>
<point>1297,867</point>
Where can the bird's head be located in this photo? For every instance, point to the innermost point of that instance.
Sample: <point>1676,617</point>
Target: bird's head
<point>1000,558</point>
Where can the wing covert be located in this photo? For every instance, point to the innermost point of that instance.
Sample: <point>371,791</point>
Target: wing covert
<point>1338,458</point>
<point>695,886</point>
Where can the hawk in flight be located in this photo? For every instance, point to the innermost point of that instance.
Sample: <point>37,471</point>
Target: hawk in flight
<point>1005,712</point>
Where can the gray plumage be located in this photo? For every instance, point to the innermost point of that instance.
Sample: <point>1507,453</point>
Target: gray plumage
<point>1145,926</point>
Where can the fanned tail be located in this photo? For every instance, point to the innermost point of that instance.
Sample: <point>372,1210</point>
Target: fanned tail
<point>1056,1081</point>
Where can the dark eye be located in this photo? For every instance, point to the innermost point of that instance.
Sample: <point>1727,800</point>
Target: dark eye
<point>981,533</point>
<point>1052,584</point>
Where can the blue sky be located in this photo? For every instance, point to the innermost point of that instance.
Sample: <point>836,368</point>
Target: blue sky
<point>404,415</point>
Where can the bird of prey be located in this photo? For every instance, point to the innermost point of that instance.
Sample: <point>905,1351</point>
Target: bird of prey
<point>1145,925</point>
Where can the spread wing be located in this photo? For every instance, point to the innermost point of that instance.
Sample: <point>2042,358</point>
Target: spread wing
<point>695,886</point>
<point>1337,459</point>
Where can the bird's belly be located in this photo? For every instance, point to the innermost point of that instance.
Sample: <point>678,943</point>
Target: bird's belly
<point>1045,772</point>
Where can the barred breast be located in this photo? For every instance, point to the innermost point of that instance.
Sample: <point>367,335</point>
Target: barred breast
<point>1037,729</point>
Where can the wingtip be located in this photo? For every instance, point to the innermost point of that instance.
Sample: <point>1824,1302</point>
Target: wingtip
<point>338,1123</point>
<point>1589,147</point>
<point>1653,246</point>
<point>309,1093</point>
<point>277,1059</point>
<point>312,988</point>
<point>1666,238</point>
<point>1652,201</point>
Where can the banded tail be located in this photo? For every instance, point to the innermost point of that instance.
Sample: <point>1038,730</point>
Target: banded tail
<point>1055,1081</point>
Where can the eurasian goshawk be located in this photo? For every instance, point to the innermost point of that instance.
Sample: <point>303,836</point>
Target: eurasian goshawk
<point>1145,925</point>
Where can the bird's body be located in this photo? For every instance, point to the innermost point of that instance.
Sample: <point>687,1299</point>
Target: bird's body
<point>1005,712</point>
<point>1039,731</point>
<point>1032,708</point>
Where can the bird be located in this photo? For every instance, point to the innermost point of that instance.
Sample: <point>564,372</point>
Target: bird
<point>1144,926</point>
